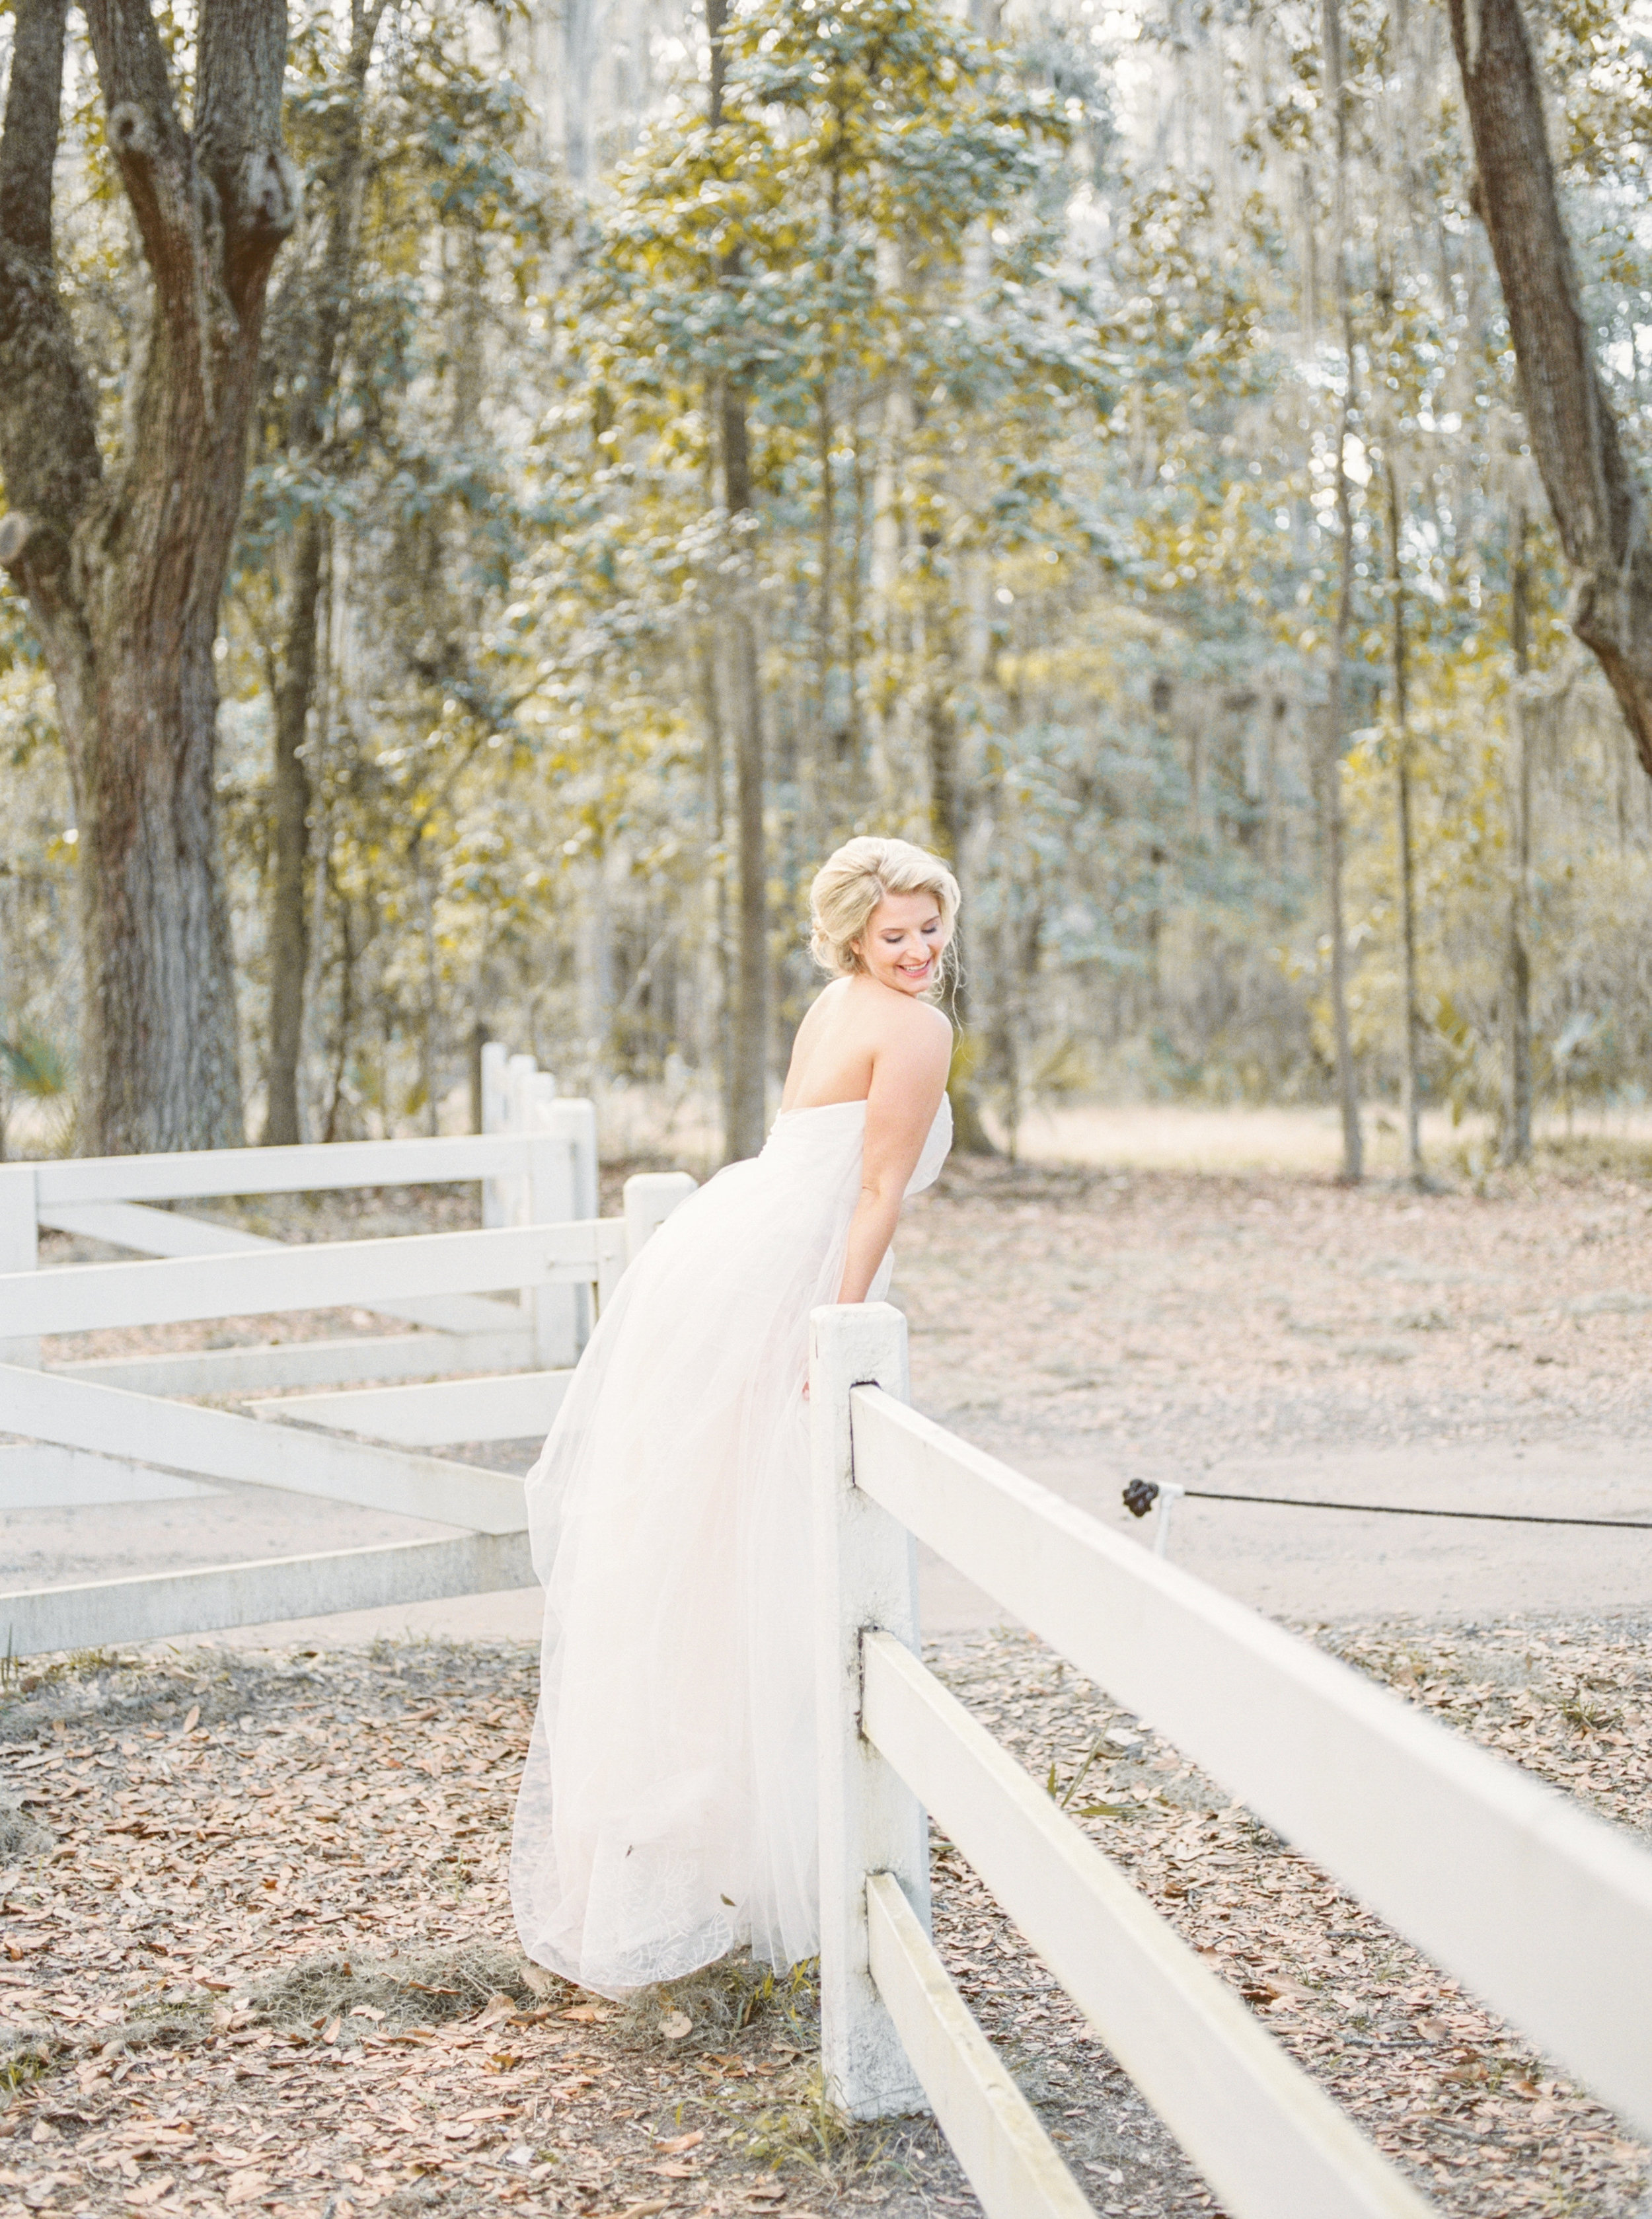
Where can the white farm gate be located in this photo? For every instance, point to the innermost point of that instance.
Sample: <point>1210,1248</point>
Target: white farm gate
<point>1545,1911</point>
<point>385,1400</point>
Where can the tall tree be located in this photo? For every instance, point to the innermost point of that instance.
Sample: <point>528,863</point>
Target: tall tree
<point>746,1081</point>
<point>1598,506</point>
<point>315,299</point>
<point>1515,1138</point>
<point>1411,1017</point>
<point>121,555</point>
<point>763,281</point>
<point>1353,1157</point>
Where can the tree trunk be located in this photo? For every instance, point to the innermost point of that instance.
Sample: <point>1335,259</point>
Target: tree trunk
<point>321,312</point>
<point>1599,511</point>
<point>748,1091</point>
<point>970,1134</point>
<point>474,1046</point>
<point>1410,1027</point>
<point>745,1085</point>
<point>331,1130</point>
<point>1353,1154</point>
<point>288,920</point>
<point>123,570</point>
<point>1516,1137</point>
<point>721,1042</point>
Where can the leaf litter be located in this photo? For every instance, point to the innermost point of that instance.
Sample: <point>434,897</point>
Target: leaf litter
<point>256,1956</point>
<point>256,1952</point>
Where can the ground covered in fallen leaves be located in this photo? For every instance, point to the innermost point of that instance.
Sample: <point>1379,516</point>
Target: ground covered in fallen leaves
<point>256,1954</point>
<point>1210,1315</point>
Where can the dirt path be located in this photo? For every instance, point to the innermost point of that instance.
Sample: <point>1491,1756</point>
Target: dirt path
<point>1205,1317</point>
<point>1272,1335</point>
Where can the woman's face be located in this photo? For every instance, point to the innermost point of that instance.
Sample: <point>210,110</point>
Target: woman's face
<point>904,941</point>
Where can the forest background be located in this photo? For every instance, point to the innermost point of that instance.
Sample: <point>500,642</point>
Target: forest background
<point>1086,440</point>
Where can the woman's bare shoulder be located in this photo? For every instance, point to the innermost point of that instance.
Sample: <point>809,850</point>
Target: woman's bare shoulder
<point>829,997</point>
<point>922,1018</point>
<point>915,1028</point>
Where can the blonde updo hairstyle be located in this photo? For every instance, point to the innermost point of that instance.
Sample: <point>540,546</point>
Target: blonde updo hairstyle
<point>848,886</point>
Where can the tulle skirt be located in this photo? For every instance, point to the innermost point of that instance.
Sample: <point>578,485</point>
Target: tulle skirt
<point>667,1812</point>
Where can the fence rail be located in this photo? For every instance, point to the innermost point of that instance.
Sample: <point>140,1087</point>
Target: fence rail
<point>498,1407</point>
<point>316,1167</point>
<point>170,1232</point>
<point>154,1607</point>
<point>220,1444</point>
<point>322,1275</point>
<point>1544,1911</point>
<point>248,1371</point>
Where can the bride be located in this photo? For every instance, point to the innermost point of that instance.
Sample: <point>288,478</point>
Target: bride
<point>667,1814</point>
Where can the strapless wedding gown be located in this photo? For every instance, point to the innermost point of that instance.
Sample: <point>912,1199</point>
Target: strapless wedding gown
<point>667,1814</point>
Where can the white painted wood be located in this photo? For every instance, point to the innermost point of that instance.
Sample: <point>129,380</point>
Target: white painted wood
<point>573,1122</point>
<point>1544,1911</point>
<point>611,1257</point>
<point>40,1475</point>
<point>259,1367</point>
<point>110,1612</point>
<point>866,1575</point>
<point>19,1251</point>
<point>507,1408</point>
<point>150,1232</point>
<point>554,1314</point>
<point>574,1119</point>
<point>216,1444</point>
<point>496,1116</point>
<point>651,1197</point>
<point>80,1297</point>
<point>519,1072</point>
<point>174,1234</point>
<point>310,1168</point>
<point>1009,2159</point>
<point>1270,2143</point>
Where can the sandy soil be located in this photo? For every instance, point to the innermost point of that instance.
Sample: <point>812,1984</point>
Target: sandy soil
<point>1191,1136</point>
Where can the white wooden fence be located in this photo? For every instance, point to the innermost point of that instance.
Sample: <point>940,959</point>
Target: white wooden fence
<point>1543,1910</point>
<point>356,1443</point>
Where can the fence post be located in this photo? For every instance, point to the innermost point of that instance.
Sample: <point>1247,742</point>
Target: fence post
<point>516,1192</point>
<point>651,1197</point>
<point>865,1575</point>
<point>574,1120</point>
<point>495,1118</point>
<point>554,1310</point>
<point>19,1246</point>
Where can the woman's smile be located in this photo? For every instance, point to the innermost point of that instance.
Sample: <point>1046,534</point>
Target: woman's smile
<point>904,942</point>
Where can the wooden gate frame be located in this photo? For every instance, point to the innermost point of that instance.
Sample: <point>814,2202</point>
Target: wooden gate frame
<point>358,1443</point>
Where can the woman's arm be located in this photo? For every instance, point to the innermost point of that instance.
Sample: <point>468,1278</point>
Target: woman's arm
<point>909,1077</point>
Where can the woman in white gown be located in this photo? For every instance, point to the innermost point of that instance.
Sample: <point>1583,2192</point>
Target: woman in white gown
<point>667,1813</point>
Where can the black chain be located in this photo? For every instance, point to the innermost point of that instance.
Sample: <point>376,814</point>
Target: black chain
<point>1141,1494</point>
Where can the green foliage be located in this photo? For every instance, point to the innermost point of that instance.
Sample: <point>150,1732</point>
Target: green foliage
<point>35,1067</point>
<point>1042,396</point>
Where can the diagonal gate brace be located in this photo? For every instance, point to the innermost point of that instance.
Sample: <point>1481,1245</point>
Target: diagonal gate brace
<point>215,1445</point>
